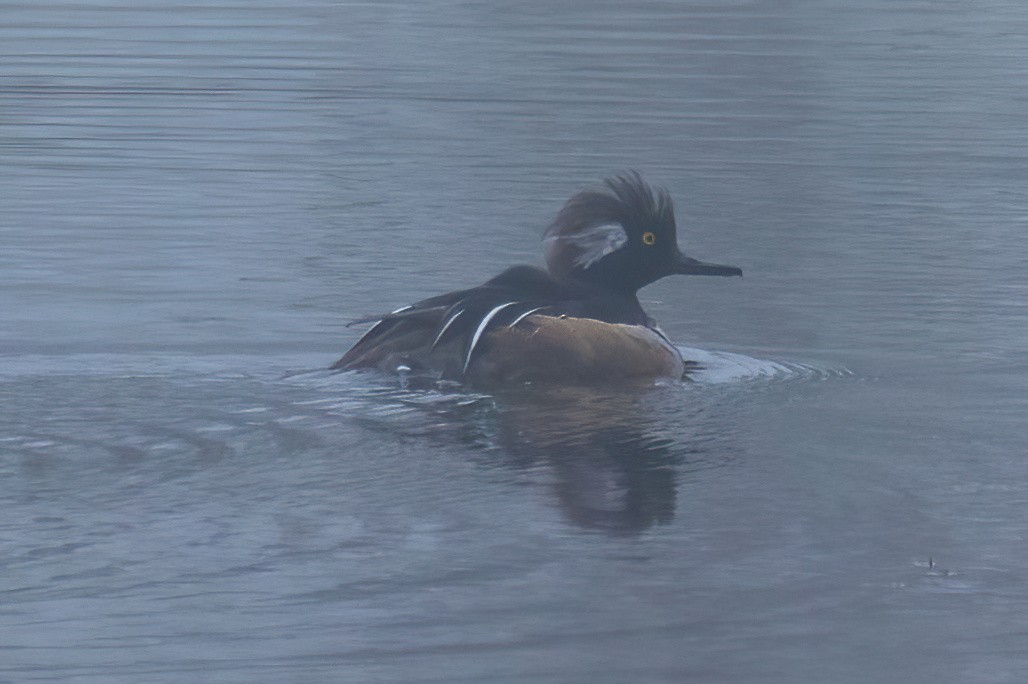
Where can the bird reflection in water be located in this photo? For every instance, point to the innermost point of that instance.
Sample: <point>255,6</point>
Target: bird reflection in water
<point>614,456</point>
<point>614,468</point>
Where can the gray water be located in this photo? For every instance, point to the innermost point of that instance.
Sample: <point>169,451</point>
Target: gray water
<point>195,199</point>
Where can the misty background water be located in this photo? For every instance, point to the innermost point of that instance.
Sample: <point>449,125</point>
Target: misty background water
<point>195,199</point>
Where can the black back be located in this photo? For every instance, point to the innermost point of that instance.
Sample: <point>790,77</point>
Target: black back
<point>467,315</point>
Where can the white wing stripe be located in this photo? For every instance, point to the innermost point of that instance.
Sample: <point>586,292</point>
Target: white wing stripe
<point>378,324</point>
<point>446,326</point>
<point>525,315</point>
<point>481,328</point>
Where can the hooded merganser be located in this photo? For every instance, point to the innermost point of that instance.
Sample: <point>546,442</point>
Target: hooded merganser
<point>579,321</point>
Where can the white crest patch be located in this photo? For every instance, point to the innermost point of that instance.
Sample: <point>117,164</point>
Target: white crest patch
<point>596,242</point>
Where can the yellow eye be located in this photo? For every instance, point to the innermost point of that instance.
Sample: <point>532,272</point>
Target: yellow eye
<point>649,238</point>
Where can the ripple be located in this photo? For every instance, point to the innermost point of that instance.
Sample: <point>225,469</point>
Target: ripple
<point>387,394</point>
<point>720,367</point>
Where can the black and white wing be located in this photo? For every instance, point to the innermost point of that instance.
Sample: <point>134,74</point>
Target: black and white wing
<point>447,332</point>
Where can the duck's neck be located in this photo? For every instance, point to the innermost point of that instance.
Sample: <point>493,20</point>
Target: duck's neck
<point>605,303</point>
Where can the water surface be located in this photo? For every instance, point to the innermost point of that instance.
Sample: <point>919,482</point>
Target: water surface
<point>197,198</point>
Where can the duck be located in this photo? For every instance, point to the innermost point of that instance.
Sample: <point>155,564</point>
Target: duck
<point>576,322</point>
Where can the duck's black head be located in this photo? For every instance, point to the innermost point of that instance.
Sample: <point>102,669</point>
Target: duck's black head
<point>621,238</point>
